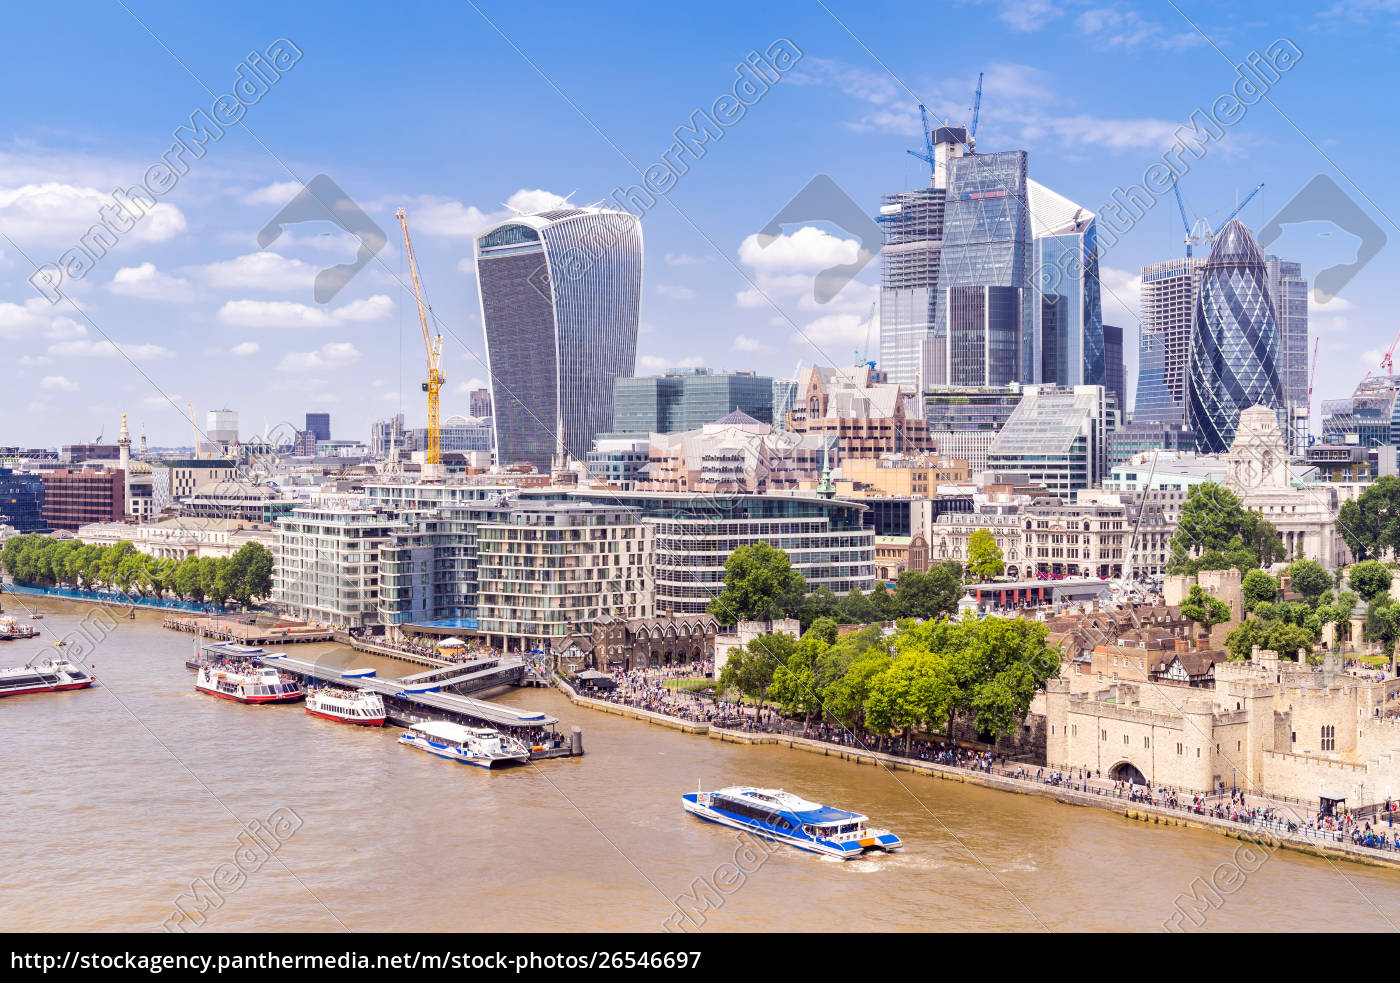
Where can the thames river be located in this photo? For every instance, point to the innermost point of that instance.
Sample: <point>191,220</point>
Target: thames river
<point>118,798</point>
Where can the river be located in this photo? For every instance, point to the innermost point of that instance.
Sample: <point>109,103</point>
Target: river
<point>119,797</point>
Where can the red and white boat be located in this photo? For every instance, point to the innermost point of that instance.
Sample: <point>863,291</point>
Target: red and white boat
<point>48,676</point>
<point>348,706</point>
<point>245,682</point>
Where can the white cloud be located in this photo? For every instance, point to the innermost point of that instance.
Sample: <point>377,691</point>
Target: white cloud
<point>331,355</point>
<point>675,292</point>
<point>58,214</point>
<point>1120,294</point>
<point>288,314</point>
<point>260,271</point>
<point>57,383</point>
<point>685,259</point>
<point>808,250</point>
<point>1027,15</point>
<point>1120,27</point>
<point>277,193</point>
<point>244,349</point>
<point>35,319</point>
<point>743,343</point>
<point>654,364</point>
<point>833,333</point>
<point>103,348</point>
<point>465,388</point>
<point>450,219</point>
<point>148,283</point>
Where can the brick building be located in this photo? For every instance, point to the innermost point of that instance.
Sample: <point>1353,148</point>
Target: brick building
<point>76,498</point>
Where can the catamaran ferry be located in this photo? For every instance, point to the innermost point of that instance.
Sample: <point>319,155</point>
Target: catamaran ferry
<point>247,683</point>
<point>480,746</point>
<point>346,705</point>
<point>48,676</point>
<point>786,818</point>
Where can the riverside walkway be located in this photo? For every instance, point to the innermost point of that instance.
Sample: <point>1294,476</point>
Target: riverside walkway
<point>1164,806</point>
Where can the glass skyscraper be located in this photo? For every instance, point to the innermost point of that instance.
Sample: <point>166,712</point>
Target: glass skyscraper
<point>1164,340</point>
<point>1115,379</point>
<point>1290,292</point>
<point>1069,343</point>
<point>986,242</point>
<point>687,399</point>
<point>912,222</point>
<point>560,301</point>
<point>1235,344</point>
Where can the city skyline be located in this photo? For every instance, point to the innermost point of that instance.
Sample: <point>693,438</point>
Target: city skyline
<point>206,314</point>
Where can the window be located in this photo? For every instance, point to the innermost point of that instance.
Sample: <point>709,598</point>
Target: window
<point>1329,738</point>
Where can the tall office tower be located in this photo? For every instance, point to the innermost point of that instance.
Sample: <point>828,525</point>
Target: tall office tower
<point>1164,339</point>
<point>986,243</point>
<point>1068,314</point>
<point>561,295</point>
<point>319,424</point>
<point>687,399</point>
<point>480,403</point>
<point>1290,294</point>
<point>221,426</point>
<point>912,222</point>
<point>1235,353</point>
<point>1115,377</point>
<point>784,395</point>
<point>983,336</point>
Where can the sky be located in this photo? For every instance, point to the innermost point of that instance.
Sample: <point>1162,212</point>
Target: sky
<point>458,112</point>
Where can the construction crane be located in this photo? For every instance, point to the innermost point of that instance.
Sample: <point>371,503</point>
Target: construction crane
<point>1243,203</point>
<point>1199,232</point>
<point>976,112</point>
<point>864,359</point>
<point>1386,363</point>
<point>1185,222</point>
<point>433,344</point>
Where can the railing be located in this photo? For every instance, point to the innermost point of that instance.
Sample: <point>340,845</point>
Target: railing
<point>115,597</point>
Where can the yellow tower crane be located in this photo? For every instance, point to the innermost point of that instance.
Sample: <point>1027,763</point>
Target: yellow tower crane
<point>433,344</point>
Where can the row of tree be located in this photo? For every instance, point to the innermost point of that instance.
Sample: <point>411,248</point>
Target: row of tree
<point>922,679</point>
<point>244,577</point>
<point>760,584</point>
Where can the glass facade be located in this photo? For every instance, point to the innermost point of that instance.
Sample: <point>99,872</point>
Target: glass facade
<point>1069,326</point>
<point>685,400</point>
<point>1164,340</point>
<point>560,299</point>
<point>1114,374</point>
<point>1235,353</point>
<point>1057,436</point>
<point>22,501</point>
<point>912,222</point>
<point>1290,292</point>
<point>986,238</point>
<point>983,336</point>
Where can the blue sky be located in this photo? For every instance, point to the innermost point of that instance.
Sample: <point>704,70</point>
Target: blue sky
<point>450,110</point>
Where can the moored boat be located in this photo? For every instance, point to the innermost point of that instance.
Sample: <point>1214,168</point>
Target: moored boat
<point>45,676</point>
<point>786,818</point>
<point>480,746</point>
<point>246,682</point>
<point>348,706</point>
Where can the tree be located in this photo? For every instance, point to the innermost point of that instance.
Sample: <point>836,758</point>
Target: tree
<point>819,604</point>
<point>1383,624</point>
<point>1310,579</point>
<point>1258,587</point>
<point>750,668</point>
<point>885,604</point>
<point>927,595</point>
<point>759,585</point>
<point>1370,525</point>
<point>1370,578</point>
<point>1210,517</point>
<point>824,629</point>
<point>189,581</point>
<point>984,559</point>
<point>845,697</point>
<point>1204,610</point>
<point>916,691</point>
<point>857,609</point>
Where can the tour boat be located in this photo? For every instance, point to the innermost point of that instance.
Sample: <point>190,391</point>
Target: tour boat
<point>786,818</point>
<point>346,705</point>
<point>48,676</point>
<point>10,628</point>
<point>480,746</point>
<point>247,683</point>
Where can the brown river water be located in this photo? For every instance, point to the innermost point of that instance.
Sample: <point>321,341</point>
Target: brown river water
<point>117,798</point>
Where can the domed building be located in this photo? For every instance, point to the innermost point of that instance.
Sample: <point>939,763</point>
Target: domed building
<point>1235,348</point>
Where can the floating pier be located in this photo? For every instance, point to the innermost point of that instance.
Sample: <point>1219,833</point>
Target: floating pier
<point>231,630</point>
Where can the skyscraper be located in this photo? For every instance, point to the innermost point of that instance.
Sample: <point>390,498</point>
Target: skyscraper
<point>1164,339</point>
<point>479,403</point>
<point>1290,295</point>
<point>1235,346</point>
<point>560,301</point>
<point>687,399</point>
<point>986,243</point>
<point>913,225</point>
<point>320,425</point>
<point>1068,314</point>
<point>1115,378</point>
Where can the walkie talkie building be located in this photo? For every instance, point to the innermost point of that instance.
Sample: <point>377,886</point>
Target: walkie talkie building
<point>561,295</point>
<point>1235,346</point>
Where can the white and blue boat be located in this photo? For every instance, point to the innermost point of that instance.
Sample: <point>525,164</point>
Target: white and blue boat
<point>480,746</point>
<point>786,818</point>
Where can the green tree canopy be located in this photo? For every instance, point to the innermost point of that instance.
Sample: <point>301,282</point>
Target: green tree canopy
<point>1309,578</point>
<point>1370,524</point>
<point>984,558</point>
<point>1258,587</point>
<point>1369,578</point>
<point>1203,609</point>
<point>759,585</point>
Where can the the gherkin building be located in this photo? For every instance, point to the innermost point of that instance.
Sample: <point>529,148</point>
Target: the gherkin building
<point>1234,341</point>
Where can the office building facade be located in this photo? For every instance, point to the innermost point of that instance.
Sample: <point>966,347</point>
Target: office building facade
<point>687,399</point>
<point>1168,298</point>
<point>560,296</point>
<point>22,501</point>
<point>1290,295</point>
<point>319,424</point>
<point>1068,313</point>
<point>1114,373</point>
<point>962,423</point>
<point>912,223</point>
<point>1235,356</point>
<point>76,498</point>
<point>1057,436</point>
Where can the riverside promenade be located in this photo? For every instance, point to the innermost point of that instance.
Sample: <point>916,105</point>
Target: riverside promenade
<point>981,769</point>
